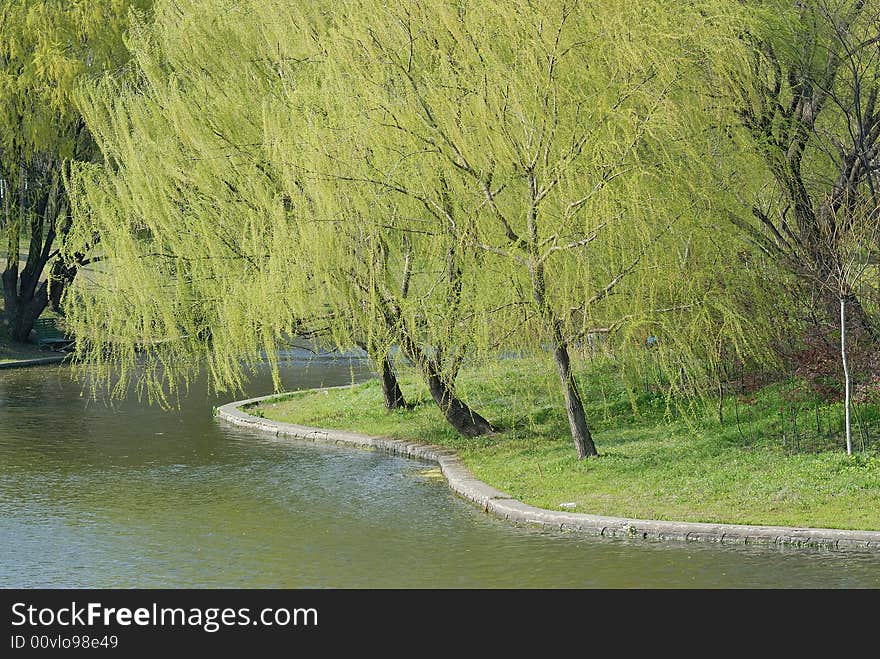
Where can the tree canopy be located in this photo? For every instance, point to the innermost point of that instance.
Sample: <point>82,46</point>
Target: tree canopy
<point>457,180</point>
<point>46,48</point>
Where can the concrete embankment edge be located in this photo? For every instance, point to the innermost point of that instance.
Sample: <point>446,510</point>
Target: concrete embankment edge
<point>39,361</point>
<point>503,505</point>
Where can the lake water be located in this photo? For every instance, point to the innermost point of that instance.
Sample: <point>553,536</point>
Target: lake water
<point>129,495</point>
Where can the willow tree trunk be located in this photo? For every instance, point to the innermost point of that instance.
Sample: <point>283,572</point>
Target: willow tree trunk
<point>21,322</point>
<point>574,406</point>
<point>391,391</point>
<point>26,297</point>
<point>24,301</point>
<point>61,275</point>
<point>26,291</point>
<point>457,413</point>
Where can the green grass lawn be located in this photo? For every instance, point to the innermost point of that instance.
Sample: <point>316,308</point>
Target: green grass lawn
<point>779,465</point>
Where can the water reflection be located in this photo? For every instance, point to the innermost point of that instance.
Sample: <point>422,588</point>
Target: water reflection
<point>129,495</point>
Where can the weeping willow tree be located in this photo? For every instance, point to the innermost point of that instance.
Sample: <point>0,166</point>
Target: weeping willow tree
<point>46,46</point>
<point>193,224</point>
<point>209,228</point>
<point>207,225</point>
<point>447,180</point>
<point>384,252</point>
<point>727,305</point>
<point>532,139</point>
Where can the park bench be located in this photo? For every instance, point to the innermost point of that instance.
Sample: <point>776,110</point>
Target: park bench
<point>49,335</point>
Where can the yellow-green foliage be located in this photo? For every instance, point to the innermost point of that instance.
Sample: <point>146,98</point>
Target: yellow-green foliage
<point>275,167</point>
<point>191,221</point>
<point>573,137</point>
<point>45,47</point>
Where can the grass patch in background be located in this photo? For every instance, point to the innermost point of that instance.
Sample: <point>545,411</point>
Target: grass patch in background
<point>778,465</point>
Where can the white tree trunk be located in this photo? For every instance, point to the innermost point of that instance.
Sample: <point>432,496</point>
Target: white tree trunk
<point>845,374</point>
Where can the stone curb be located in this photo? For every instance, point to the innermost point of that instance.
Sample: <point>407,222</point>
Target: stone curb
<point>503,505</point>
<point>39,361</point>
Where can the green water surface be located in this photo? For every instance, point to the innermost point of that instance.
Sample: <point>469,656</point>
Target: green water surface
<point>128,495</point>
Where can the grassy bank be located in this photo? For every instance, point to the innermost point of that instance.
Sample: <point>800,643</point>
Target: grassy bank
<point>13,352</point>
<point>781,463</point>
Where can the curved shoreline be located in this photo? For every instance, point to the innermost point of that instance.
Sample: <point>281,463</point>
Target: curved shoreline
<point>501,504</point>
<point>37,361</point>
